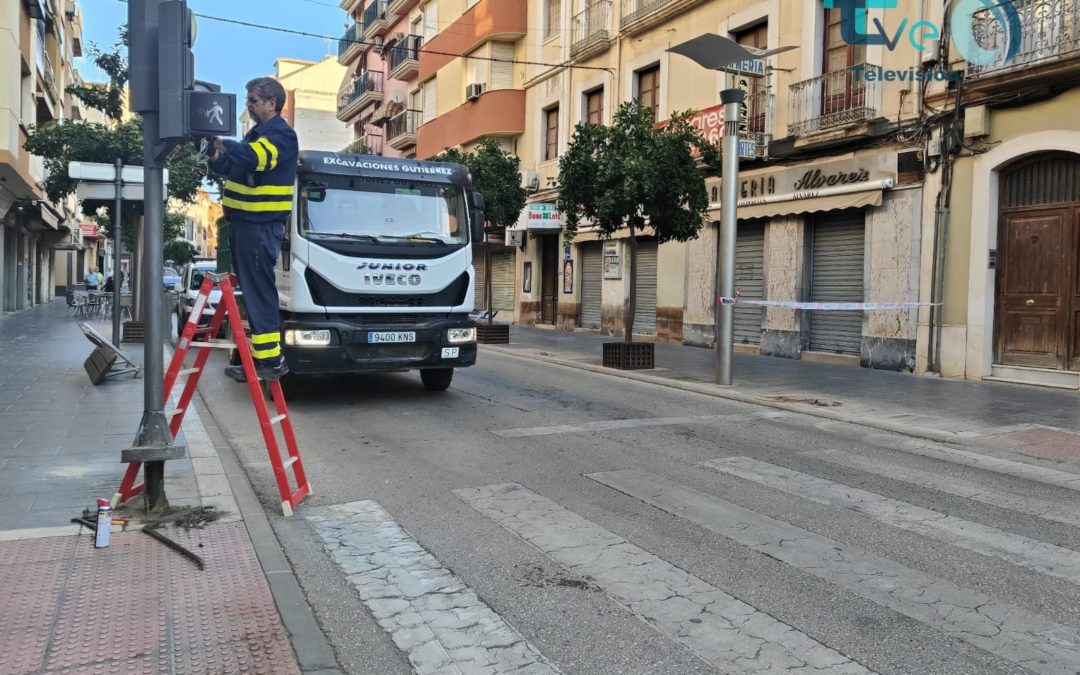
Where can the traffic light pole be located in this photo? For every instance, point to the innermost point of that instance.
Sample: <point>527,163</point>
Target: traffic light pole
<point>725,262</point>
<point>119,183</point>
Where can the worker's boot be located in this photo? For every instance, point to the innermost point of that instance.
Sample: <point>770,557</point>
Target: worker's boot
<point>271,369</point>
<point>235,373</point>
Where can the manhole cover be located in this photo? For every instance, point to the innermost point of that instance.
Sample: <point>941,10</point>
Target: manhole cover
<point>1049,443</point>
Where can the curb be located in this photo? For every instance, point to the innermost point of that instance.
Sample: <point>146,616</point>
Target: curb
<point>313,651</point>
<point>719,391</point>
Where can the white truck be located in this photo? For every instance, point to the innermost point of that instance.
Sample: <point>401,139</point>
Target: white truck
<point>375,272</point>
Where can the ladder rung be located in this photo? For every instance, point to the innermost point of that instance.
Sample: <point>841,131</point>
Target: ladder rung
<point>213,344</point>
<point>187,371</point>
<point>275,420</point>
<point>289,462</point>
<point>174,413</point>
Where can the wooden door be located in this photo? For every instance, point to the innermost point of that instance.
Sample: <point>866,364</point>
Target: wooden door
<point>1036,286</point>
<point>1072,317</point>
<point>549,279</point>
<point>841,90</point>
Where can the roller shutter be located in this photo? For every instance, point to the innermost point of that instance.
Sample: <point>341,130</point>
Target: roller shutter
<point>502,280</point>
<point>750,280</point>
<point>837,276</point>
<point>478,292</point>
<point>592,282</point>
<point>645,312</point>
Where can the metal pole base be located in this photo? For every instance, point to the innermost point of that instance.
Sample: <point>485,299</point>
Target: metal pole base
<point>153,445</point>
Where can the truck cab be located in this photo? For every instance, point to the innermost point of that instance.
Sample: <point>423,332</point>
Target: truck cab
<point>376,268</point>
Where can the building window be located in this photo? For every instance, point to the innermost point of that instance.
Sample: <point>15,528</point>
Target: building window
<point>758,37</point>
<point>594,106</point>
<point>551,133</point>
<point>648,88</point>
<point>552,10</point>
<point>841,90</point>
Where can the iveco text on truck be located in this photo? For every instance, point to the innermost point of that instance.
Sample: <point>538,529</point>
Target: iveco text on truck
<point>376,272</point>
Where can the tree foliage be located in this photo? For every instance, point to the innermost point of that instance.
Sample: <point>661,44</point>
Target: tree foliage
<point>635,175</point>
<point>496,175</point>
<point>65,141</point>
<point>179,251</point>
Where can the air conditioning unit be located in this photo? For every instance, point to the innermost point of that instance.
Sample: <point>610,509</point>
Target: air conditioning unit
<point>473,91</point>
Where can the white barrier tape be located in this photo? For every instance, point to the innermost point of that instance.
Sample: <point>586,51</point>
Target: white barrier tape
<point>841,306</point>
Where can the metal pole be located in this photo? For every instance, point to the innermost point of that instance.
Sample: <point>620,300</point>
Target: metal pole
<point>116,251</point>
<point>725,265</point>
<point>154,430</point>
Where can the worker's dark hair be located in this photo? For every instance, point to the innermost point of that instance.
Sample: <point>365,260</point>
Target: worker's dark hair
<point>268,88</point>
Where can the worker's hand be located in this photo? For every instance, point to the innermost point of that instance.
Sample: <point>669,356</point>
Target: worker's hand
<point>219,145</point>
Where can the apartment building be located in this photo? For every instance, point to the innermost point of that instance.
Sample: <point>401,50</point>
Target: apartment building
<point>1006,265</point>
<point>831,199</point>
<point>38,41</point>
<point>378,100</point>
<point>201,222</point>
<point>311,97</point>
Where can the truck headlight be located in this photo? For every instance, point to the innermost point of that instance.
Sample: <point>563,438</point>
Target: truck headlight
<point>307,338</point>
<point>458,335</point>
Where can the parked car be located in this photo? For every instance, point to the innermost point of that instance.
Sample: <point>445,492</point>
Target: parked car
<point>170,278</point>
<point>188,286</point>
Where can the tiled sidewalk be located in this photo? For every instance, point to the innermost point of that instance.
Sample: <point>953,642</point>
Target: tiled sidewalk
<point>138,606</point>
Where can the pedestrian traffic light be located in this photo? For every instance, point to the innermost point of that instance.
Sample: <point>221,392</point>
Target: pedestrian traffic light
<point>176,66</point>
<point>209,112</point>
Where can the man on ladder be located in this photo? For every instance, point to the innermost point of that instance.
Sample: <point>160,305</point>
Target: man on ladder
<point>260,176</point>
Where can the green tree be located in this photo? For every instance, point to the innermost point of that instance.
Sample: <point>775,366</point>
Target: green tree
<point>65,141</point>
<point>635,175</point>
<point>496,175</point>
<point>180,251</point>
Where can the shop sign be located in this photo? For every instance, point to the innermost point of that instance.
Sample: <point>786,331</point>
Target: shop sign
<point>799,179</point>
<point>543,217</point>
<point>89,230</point>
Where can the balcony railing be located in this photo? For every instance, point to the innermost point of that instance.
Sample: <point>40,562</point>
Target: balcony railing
<point>591,28</point>
<point>404,57</point>
<point>375,20</point>
<point>835,99</point>
<point>349,44</point>
<point>1049,29</point>
<point>759,113</point>
<point>365,145</point>
<point>401,132</point>
<point>365,89</point>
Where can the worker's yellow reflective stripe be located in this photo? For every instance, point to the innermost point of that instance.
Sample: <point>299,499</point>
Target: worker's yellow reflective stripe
<point>256,206</point>
<point>265,338</point>
<point>260,153</point>
<point>266,353</point>
<point>259,190</point>
<point>271,148</point>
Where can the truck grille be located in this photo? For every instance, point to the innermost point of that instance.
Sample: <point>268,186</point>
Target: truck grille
<point>326,294</point>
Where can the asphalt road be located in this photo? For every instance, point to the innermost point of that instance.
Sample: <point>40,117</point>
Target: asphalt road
<point>542,519</point>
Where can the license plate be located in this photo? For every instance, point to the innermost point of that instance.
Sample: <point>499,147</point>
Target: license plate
<point>450,352</point>
<point>376,337</point>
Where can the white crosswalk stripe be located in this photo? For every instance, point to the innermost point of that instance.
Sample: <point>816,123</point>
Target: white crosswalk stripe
<point>1022,551</point>
<point>1030,640</point>
<point>1008,467</point>
<point>432,616</point>
<point>967,489</point>
<point>716,626</point>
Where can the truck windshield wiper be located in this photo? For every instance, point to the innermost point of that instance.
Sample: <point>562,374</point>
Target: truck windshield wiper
<point>414,237</point>
<point>345,235</point>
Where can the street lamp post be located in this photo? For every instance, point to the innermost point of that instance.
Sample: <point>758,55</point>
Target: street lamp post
<point>716,52</point>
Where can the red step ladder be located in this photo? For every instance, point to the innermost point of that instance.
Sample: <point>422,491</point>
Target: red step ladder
<point>227,307</point>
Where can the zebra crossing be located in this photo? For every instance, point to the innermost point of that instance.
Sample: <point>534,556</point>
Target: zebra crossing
<point>444,626</point>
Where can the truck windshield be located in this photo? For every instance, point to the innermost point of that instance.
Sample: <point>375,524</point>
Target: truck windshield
<point>390,211</point>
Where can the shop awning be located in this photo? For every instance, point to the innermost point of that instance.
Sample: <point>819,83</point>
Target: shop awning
<point>836,198</point>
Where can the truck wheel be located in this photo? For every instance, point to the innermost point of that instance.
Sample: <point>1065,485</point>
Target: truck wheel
<point>437,379</point>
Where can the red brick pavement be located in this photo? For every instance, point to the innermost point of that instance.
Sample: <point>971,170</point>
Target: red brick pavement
<point>139,607</point>
<point>1063,446</point>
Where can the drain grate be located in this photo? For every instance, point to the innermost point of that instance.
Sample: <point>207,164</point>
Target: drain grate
<point>1039,442</point>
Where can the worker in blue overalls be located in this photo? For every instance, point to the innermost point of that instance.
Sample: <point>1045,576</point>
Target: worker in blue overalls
<point>261,174</point>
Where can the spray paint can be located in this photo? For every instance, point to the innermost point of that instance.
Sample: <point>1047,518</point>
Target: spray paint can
<point>104,524</point>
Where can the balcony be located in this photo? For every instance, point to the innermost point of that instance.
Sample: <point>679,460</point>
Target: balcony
<point>834,100</point>
<point>1049,36</point>
<point>349,45</point>
<point>591,30</point>
<point>402,129</point>
<point>376,21</point>
<point>640,15</point>
<point>359,94</point>
<point>405,58</point>
<point>369,144</point>
<point>754,140</point>
<point>499,112</point>
<point>486,20</point>
<point>400,7</point>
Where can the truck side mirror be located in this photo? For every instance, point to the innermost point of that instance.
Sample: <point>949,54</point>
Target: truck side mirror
<point>477,215</point>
